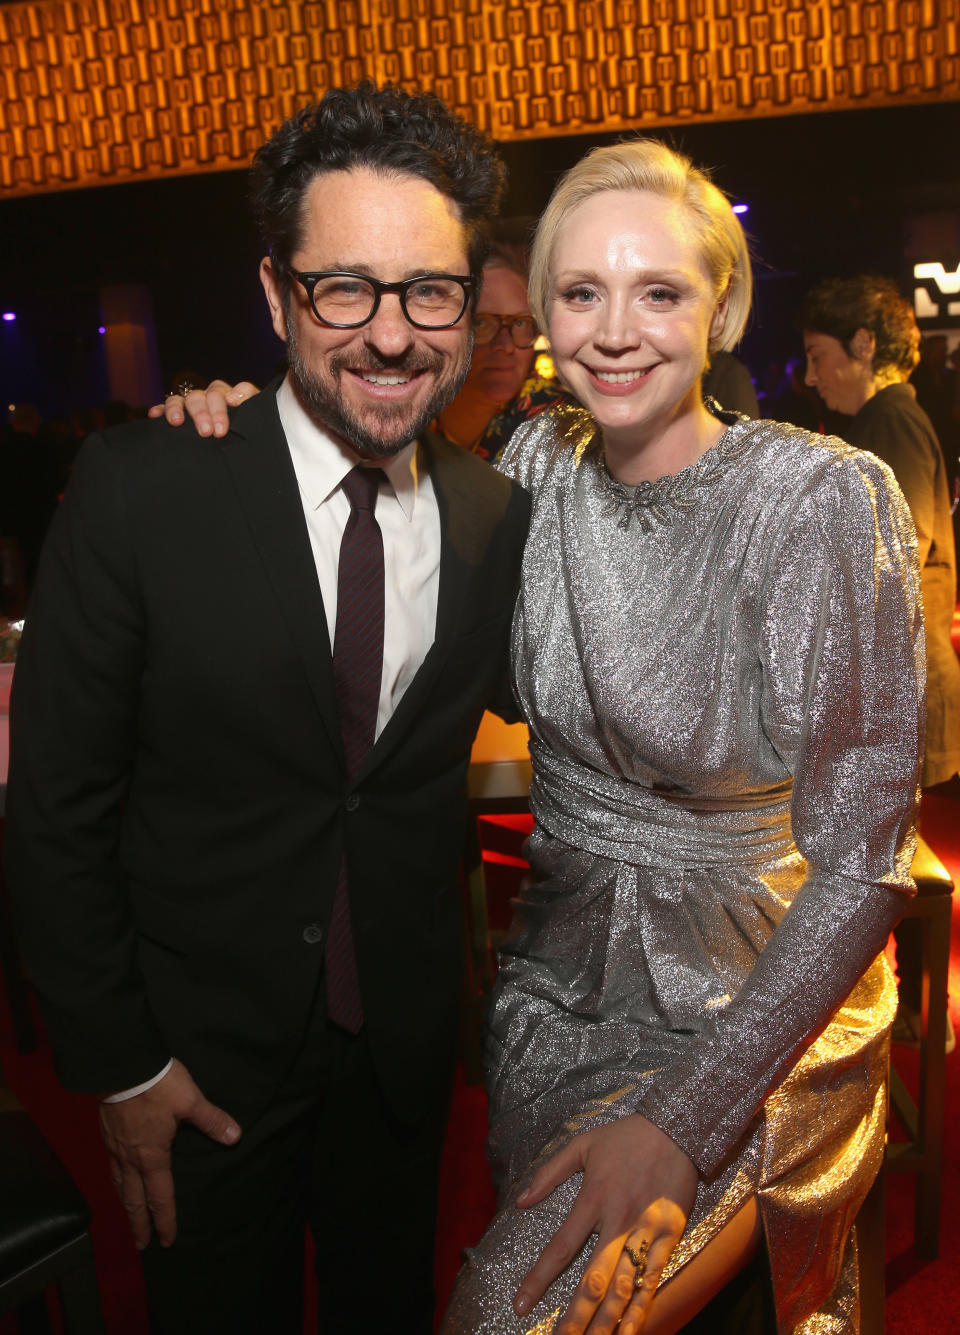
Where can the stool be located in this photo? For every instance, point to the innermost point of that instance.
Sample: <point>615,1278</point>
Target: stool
<point>922,1152</point>
<point>43,1230</point>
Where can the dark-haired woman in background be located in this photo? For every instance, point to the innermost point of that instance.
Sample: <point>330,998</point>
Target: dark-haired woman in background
<point>862,342</point>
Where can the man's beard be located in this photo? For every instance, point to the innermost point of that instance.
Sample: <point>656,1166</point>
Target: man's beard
<point>384,430</point>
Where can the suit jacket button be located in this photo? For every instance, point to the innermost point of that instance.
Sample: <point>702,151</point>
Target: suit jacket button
<point>353,801</point>
<point>312,933</point>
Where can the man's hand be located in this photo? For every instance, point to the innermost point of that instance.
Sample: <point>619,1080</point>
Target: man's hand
<point>638,1188</point>
<point>138,1134</point>
<point>207,407</point>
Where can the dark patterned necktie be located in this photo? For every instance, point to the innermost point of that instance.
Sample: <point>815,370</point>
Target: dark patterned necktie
<point>357,670</point>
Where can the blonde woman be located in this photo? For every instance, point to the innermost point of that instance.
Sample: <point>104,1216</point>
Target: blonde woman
<point>718,649</point>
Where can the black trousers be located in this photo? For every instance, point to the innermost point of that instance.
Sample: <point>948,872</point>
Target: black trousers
<point>328,1154</point>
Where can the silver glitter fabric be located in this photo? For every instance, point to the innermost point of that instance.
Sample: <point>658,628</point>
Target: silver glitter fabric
<point>723,677</point>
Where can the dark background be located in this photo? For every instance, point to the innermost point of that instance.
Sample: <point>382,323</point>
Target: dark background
<point>828,194</point>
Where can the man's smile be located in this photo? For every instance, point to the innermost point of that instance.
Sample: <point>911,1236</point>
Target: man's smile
<point>373,379</point>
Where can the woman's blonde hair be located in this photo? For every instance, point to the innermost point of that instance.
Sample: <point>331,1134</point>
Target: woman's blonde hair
<point>648,164</point>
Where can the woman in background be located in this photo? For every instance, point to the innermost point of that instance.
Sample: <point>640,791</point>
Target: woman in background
<point>862,342</point>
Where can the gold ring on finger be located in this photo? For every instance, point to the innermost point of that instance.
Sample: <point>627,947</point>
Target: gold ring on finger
<point>638,1255</point>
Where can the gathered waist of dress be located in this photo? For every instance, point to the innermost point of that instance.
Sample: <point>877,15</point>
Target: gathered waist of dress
<point>615,818</point>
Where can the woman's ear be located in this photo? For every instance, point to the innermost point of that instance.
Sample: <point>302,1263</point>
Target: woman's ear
<point>718,323</point>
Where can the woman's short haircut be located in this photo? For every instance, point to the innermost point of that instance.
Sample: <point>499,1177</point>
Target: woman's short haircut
<point>839,307</point>
<point>648,164</point>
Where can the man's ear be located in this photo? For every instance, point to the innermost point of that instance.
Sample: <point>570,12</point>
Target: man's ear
<point>274,294</point>
<point>863,345</point>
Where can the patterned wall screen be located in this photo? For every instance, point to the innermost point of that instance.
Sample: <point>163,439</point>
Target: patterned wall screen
<point>93,91</point>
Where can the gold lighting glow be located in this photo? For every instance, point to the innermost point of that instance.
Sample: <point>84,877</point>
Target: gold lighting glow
<point>95,91</point>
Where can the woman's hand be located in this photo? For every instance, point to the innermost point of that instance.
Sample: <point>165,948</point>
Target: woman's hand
<point>638,1188</point>
<point>207,407</point>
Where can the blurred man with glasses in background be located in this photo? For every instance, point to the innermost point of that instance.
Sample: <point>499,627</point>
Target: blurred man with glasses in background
<point>501,389</point>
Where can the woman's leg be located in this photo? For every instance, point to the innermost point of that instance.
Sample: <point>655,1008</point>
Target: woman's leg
<point>481,1300</point>
<point>679,1301</point>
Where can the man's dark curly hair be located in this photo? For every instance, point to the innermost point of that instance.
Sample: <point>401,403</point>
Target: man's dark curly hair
<point>390,131</point>
<point>840,306</point>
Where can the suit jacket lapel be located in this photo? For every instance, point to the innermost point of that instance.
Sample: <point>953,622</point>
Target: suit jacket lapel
<point>256,453</point>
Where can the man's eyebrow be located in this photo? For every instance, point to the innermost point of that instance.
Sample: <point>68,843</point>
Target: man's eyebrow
<point>367,271</point>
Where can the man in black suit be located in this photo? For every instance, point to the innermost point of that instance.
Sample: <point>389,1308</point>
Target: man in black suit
<point>233,861</point>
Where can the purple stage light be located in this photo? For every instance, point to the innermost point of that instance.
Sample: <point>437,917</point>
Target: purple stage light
<point>9,316</point>
<point>741,208</point>
<point>101,329</point>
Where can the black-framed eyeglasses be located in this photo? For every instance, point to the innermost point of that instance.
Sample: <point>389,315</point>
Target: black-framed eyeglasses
<point>349,300</point>
<point>521,328</point>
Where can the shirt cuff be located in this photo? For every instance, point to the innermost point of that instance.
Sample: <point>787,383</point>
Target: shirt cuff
<point>124,1094</point>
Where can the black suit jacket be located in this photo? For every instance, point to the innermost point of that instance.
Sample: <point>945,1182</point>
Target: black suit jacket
<point>178,803</point>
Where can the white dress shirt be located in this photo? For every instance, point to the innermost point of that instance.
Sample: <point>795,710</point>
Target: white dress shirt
<point>409,520</point>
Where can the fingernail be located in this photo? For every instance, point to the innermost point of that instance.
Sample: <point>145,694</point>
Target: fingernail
<point>219,429</point>
<point>522,1304</point>
<point>524,1196</point>
<point>231,1134</point>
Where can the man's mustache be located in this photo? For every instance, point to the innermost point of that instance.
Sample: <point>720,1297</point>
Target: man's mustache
<point>406,363</point>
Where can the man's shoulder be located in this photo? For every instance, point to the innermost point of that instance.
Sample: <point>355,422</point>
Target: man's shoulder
<point>450,465</point>
<point>154,445</point>
<point>146,462</point>
<point>149,439</point>
<point>487,512</point>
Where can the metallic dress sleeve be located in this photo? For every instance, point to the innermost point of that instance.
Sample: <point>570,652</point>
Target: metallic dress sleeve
<point>540,446</point>
<point>842,656</point>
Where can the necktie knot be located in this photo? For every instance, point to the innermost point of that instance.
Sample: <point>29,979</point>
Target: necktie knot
<point>361,486</point>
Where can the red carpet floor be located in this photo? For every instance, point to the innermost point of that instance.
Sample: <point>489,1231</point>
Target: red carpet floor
<point>923,1296</point>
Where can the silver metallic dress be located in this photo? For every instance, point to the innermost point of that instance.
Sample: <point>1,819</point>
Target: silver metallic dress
<point>723,676</point>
